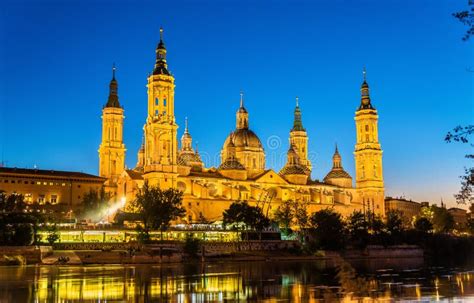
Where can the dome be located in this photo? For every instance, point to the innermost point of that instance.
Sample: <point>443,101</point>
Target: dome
<point>243,138</point>
<point>185,159</point>
<point>294,170</point>
<point>337,173</point>
<point>231,164</point>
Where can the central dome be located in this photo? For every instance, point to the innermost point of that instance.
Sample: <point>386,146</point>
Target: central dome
<point>243,138</point>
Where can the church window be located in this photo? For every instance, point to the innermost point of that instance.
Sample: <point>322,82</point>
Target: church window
<point>164,102</point>
<point>367,138</point>
<point>164,113</point>
<point>367,128</point>
<point>54,199</point>
<point>156,101</point>
<point>157,112</point>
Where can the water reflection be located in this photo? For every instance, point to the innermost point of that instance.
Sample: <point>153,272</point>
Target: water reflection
<point>230,282</point>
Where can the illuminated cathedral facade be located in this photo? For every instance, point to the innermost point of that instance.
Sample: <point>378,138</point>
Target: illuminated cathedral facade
<point>242,174</point>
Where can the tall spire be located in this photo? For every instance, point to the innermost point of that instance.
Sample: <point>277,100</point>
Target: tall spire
<point>186,125</point>
<point>297,123</point>
<point>336,159</point>
<point>161,67</point>
<point>113,100</point>
<point>364,90</point>
<point>242,114</point>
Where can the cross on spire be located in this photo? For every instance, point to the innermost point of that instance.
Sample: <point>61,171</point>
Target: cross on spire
<point>161,33</point>
<point>186,125</point>
<point>113,70</point>
<point>241,98</point>
<point>297,103</point>
<point>364,73</point>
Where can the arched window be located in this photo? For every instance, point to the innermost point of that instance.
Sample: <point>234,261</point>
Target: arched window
<point>164,102</point>
<point>157,112</point>
<point>156,101</point>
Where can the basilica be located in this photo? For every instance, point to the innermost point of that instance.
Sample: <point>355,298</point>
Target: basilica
<point>242,174</point>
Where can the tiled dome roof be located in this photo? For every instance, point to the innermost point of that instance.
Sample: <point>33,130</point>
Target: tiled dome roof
<point>230,164</point>
<point>337,173</point>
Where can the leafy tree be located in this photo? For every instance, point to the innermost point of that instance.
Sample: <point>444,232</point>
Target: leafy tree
<point>394,222</point>
<point>358,229</point>
<point>192,246</point>
<point>328,229</point>
<point>23,235</point>
<point>284,216</point>
<point>251,216</point>
<point>423,224</point>
<point>466,17</point>
<point>94,203</point>
<point>443,221</point>
<point>466,193</point>
<point>53,234</point>
<point>158,208</point>
<point>11,203</point>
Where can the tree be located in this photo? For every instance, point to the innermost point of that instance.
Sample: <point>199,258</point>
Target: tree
<point>328,229</point>
<point>284,216</point>
<point>251,216</point>
<point>24,234</point>
<point>394,222</point>
<point>94,203</point>
<point>466,193</point>
<point>467,18</point>
<point>158,208</point>
<point>358,229</point>
<point>423,225</point>
<point>443,221</point>
<point>11,203</point>
<point>53,234</point>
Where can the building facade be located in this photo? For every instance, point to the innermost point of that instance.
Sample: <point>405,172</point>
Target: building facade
<point>242,174</point>
<point>63,189</point>
<point>406,208</point>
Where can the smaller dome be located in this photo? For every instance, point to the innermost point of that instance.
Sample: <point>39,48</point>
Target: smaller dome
<point>337,174</point>
<point>231,164</point>
<point>186,159</point>
<point>294,170</point>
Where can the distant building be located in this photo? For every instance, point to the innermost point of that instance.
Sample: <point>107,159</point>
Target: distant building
<point>407,208</point>
<point>459,216</point>
<point>64,189</point>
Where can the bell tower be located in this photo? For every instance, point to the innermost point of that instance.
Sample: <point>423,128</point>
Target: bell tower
<point>368,154</point>
<point>112,149</point>
<point>161,144</point>
<point>299,138</point>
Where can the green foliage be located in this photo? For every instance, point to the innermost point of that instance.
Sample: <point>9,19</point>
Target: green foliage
<point>53,234</point>
<point>423,225</point>
<point>242,212</point>
<point>461,134</point>
<point>143,237</point>
<point>285,215</point>
<point>394,222</point>
<point>358,229</point>
<point>158,208</point>
<point>443,221</point>
<point>192,246</point>
<point>24,234</point>
<point>94,203</point>
<point>467,19</point>
<point>13,203</point>
<point>327,229</point>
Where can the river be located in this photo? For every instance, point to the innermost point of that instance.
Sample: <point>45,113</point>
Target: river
<point>296,281</point>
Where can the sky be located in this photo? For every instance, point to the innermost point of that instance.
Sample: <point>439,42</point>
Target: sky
<point>56,59</point>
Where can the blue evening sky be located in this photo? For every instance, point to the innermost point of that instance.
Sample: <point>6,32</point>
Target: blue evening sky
<point>56,58</point>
